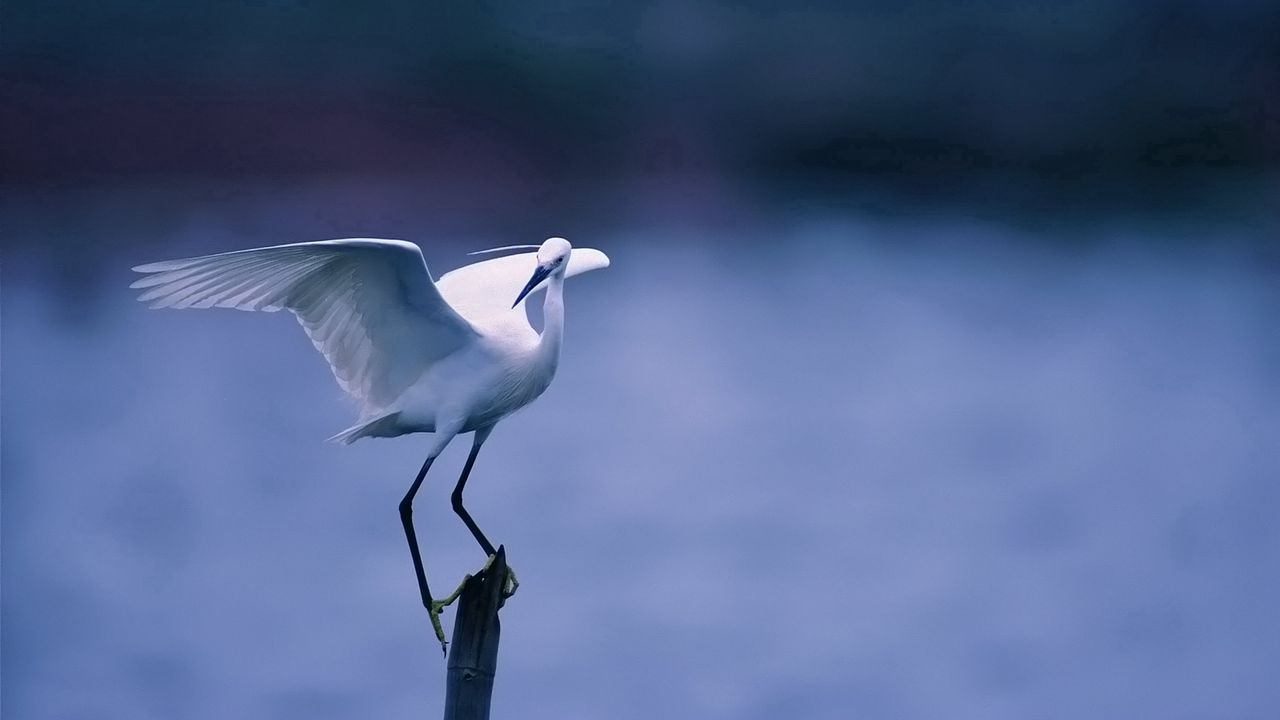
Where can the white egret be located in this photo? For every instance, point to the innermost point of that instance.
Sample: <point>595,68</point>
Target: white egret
<point>445,357</point>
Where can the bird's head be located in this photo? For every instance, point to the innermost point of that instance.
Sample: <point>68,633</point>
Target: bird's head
<point>553,258</point>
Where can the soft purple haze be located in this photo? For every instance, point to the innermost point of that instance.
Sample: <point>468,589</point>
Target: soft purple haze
<point>848,467</point>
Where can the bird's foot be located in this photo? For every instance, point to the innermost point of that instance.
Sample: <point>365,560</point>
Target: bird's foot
<point>436,608</point>
<point>433,610</point>
<point>512,583</point>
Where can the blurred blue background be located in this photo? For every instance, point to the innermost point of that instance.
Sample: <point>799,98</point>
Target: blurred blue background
<point>936,373</point>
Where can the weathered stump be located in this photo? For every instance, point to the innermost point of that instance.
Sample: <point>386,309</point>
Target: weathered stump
<point>473,654</point>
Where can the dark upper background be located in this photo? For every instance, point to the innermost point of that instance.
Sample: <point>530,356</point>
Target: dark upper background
<point>1054,107</point>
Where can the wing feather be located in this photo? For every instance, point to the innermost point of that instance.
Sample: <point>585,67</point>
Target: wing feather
<point>482,292</point>
<point>369,306</point>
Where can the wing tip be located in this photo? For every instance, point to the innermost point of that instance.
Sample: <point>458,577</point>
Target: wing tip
<point>504,248</point>
<point>596,259</point>
<point>163,265</point>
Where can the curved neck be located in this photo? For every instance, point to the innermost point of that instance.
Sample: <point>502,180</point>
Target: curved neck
<point>553,319</point>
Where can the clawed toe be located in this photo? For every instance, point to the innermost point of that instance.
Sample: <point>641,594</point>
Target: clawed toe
<point>436,607</point>
<point>434,611</point>
<point>512,584</point>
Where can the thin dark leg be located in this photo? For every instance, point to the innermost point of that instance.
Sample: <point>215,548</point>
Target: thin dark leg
<point>457,494</point>
<point>406,519</point>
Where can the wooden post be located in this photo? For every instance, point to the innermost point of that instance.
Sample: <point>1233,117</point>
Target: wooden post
<point>473,655</point>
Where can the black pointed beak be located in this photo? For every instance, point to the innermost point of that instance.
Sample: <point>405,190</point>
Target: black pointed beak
<point>540,273</point>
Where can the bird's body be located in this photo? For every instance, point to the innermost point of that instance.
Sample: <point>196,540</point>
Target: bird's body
<point>505,367</point>
<point>417,355</point>
<point>474,387</point>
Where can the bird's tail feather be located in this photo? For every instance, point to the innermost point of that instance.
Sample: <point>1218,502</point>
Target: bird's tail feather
<point>381,426</point>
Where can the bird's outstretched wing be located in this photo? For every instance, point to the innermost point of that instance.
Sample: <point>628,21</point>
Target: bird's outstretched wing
<point>368,305</point>
<point>482,292</point>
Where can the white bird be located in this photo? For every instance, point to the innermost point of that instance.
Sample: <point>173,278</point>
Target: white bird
<point>444,357</point>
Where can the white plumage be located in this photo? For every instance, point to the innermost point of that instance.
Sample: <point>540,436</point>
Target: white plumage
<point>479,291</point>
<point>388,331</point>
<point>419,356</point>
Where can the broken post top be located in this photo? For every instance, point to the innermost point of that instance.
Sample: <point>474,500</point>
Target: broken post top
<point>473,654</point>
